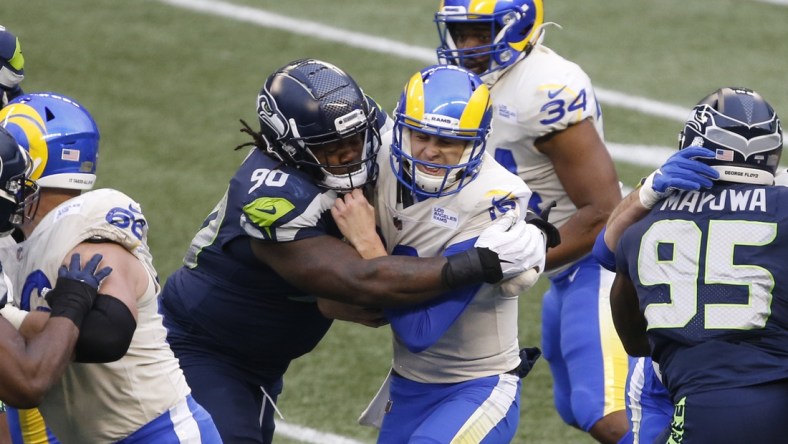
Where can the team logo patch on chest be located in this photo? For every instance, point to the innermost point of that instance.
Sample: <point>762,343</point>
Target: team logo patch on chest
<point>444,217</point>
<point>506,113</point>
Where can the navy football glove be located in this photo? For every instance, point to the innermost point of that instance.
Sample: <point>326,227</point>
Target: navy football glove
<point>76,289</point>
<point>87,275</point>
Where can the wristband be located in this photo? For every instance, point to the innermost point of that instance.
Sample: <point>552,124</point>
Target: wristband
<point>648,196</point>
<point>13,315</point>
<point>71,299</point>
<point>472,266</point>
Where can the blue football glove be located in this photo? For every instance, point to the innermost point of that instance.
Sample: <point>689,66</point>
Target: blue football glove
<point>87,275</point>
<point>682,171</point>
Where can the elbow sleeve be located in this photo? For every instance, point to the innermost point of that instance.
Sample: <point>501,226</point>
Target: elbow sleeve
<point>106,331</point>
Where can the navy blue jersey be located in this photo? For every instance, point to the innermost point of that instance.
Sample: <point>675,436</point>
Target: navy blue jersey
<point>223,298</point>
<point>711,275</point>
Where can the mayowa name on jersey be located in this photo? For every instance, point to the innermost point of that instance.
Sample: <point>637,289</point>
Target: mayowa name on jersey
<point>729,199</point>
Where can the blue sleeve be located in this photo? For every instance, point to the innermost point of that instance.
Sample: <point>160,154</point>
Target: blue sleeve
<point>421,326</point>
<point>602,253</point>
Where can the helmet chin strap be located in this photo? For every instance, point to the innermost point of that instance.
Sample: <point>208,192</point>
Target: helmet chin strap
<point>737,174</point>
<point>345,182</point>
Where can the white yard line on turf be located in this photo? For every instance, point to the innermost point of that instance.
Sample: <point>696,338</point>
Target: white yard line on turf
<point>774,2</point>
<point>311,436</point>
<point>268,19</point>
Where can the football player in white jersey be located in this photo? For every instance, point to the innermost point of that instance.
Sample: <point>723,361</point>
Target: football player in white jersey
<point>548,130</point>
<point>125,384</point>
<point>456,369</point>
<point>29,367</point>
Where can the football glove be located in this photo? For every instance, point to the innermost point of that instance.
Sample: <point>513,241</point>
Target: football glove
<point>682,171</point>
<point>76,289</point>
<point>519,245</point>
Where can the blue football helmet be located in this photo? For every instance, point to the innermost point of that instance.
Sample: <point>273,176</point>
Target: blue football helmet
<point>60,135</point>
<point>515,27</point>
<point>444,101</point>
<point>17,191</point>
<point>309,103</point>
<point>742,129</point>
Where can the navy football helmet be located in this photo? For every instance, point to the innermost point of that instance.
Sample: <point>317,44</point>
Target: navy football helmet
<point>515,27</point>
<point>445,101</point>
<point>17,191</point>
<point>12,66</point>
<point>59,134</point>
<point>309,103</point>
<point>742,129</point>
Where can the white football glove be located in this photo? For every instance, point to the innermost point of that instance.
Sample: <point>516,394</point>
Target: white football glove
<point>520,246</point>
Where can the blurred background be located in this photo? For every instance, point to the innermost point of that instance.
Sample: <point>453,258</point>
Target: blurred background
<point>168,81</point>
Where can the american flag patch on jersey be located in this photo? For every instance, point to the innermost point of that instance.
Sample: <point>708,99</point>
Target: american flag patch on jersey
<point>726,155</point>
<point>69,154</point>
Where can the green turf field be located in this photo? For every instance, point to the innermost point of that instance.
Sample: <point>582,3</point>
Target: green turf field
<point>167,86</point>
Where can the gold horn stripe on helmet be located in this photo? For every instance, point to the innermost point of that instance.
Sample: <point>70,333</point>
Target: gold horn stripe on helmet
<point>30,122</point>
<point>482,7</point>
<point>533,33</point>
<point>477,106</point>
<point>414,98</point>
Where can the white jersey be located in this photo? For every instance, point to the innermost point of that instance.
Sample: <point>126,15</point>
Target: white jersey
<point>100,403</point>
<point>483,340</point>
<point>539,95</point>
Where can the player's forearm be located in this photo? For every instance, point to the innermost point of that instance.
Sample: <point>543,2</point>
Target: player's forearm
<point>42,363</point>
<point>33,324</point>
<point>394,281</point>
<point>627,318</point>
<point>629,211</point>
<point>577,237</point>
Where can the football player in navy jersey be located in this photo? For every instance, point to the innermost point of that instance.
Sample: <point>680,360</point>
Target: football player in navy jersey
<point>648,405</point>
<point>699,284</point>
<point>268,270</point>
